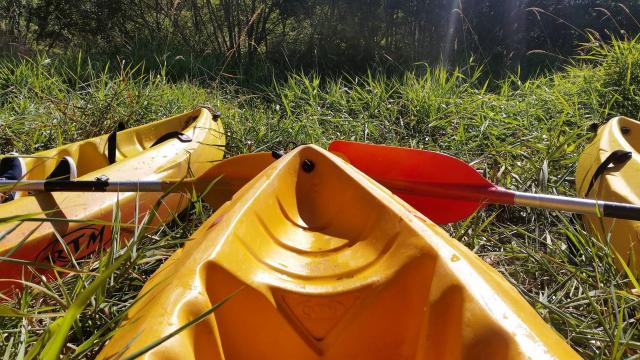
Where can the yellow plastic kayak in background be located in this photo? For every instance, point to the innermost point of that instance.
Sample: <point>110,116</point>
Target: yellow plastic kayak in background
<point>174,148</point>
<point>615,151</point>
<point>328,264</point>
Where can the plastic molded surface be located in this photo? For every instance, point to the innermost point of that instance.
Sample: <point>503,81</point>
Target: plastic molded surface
<point>619,183</point>
<point>330,265</point>
<point>135,160</point>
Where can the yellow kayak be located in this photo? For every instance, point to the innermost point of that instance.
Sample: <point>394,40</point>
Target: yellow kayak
<point>185,145</point>
<point>327,264</point>
<point>609,169</point>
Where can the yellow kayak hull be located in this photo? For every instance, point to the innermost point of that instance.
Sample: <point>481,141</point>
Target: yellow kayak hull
<point>620,183</point>
<point>137,158</point>
<point>327,264</point>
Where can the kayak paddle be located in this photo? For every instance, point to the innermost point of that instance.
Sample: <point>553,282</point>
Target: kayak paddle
<point>227,177</point>
<point>442,187</point>
<point>446,189</point>
<point>98,185</point>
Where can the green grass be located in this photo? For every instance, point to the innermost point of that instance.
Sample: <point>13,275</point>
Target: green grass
<point>523,135</point>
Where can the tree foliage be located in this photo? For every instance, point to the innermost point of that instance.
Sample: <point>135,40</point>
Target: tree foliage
<point>327,33</point>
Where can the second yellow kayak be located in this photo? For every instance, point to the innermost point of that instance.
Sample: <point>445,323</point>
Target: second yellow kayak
<point>609,169</point>
<point>327,264</point>
<point>68,226</point>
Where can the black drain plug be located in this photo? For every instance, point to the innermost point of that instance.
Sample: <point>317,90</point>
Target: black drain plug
<point>308,166</point>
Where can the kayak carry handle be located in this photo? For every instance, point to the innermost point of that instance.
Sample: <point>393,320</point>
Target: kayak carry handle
<point>616,158</point>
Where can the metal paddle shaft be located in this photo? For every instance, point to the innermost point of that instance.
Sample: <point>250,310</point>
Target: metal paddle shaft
<point>231,173</point>
<point>446,189</point>
<point>94,185</point>
<point>578,205</point>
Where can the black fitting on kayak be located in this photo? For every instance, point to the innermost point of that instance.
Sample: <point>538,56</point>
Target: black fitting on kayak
<point>617,157</point>
<point>308,166</point>
<point>277,154</point>
<point>625,130</point>
<point>172,135</point>
<point>214,114</point>
<point>112,141</point>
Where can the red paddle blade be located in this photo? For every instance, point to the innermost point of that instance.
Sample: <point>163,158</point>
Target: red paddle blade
<point>402,170</point>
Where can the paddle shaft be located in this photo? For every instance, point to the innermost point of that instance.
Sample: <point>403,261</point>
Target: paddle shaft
<point>95,185</point>
<point>492,195</point>
<point>578,205</point>
<point>498,195</point>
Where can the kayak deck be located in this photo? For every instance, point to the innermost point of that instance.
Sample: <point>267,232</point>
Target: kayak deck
<point>327,264</point>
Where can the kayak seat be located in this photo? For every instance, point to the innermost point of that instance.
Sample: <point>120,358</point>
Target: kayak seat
<point>65,170</point>
<point>11,168</point>
<point>136,145</point>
